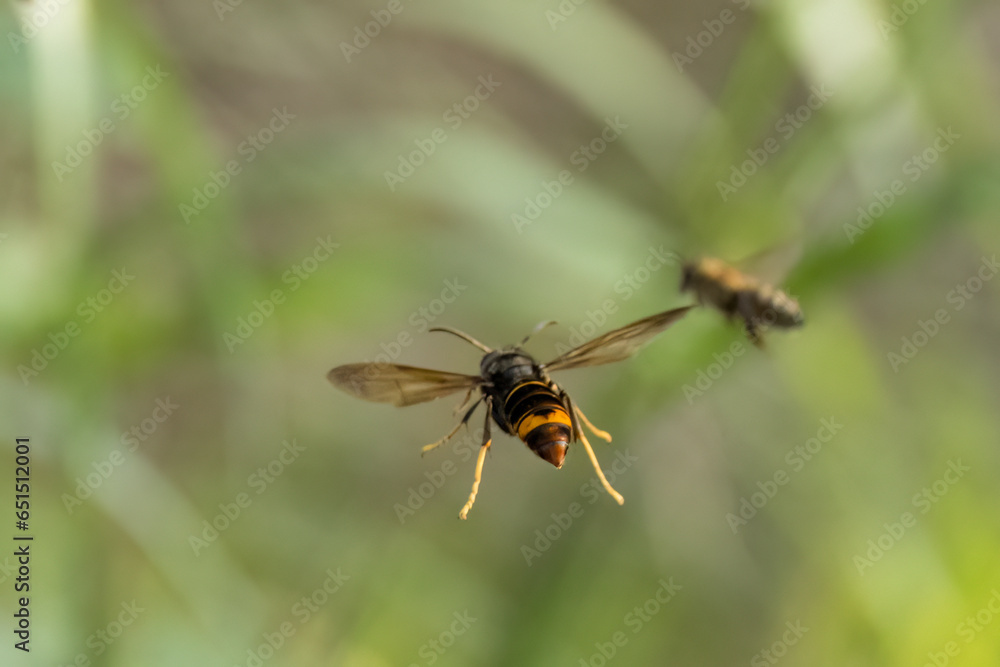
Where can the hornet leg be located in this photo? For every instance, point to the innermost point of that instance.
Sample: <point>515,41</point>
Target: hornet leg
<point>593,457</point>
<point>453,431</point>
<point>487,440</point>
<point>603,435</point>
<point>465,402</point>
<point>574,411</point>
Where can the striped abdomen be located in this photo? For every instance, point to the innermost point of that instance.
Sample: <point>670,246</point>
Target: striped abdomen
<point>540,419</point>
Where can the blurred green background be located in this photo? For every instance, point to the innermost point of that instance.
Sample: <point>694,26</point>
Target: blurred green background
<point>246,169</point>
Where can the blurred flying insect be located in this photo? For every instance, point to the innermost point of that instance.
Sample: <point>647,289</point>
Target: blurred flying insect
<point>518,393</point>
<point>741,295</point>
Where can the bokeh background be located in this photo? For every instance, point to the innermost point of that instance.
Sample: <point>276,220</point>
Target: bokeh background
<point>118,122</point>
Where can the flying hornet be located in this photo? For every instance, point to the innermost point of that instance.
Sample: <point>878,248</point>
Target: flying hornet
<point>518,393</point>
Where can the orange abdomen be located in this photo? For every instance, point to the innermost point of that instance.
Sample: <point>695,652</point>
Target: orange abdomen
<point>540,419</point>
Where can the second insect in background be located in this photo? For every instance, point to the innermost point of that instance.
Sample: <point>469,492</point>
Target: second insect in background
<point>740,295</point>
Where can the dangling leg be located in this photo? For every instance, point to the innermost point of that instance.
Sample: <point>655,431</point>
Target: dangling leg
<point>453,431</point>
<point>573,411</point>
<point>487,440</point>
<point>753,333</point>
<point>578,432</point>
<point>465,402</point>
<point>603,435</point>
<point>745,308</point>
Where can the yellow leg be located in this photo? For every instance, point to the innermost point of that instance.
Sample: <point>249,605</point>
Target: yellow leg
<point>487,440</point>
<point>475,482</point>
<point>603,435</point>
<point>434,445</point>
<point>597,466</point>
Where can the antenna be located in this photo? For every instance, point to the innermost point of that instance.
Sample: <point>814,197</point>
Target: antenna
<point>464,336</point>
<point>538,327</point>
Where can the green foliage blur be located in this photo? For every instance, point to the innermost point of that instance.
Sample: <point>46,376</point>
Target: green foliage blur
<point>207,205</point>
